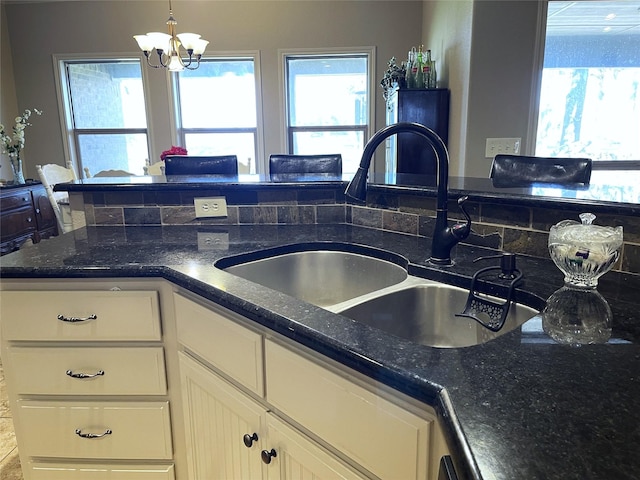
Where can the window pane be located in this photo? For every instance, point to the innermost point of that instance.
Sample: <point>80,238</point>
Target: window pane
<point>113,152</point>
<point>106,94</point>
<point>240,144</point>
<point>349,144</point>
<point>219,94</point>
<point>327,90</point>
<point>589,102</point>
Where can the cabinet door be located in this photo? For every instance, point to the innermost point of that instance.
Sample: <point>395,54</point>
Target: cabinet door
<point>299,458</point>
<point>217,417</point>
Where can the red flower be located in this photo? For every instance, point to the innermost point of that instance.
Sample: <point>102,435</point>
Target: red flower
<point>173,151</point>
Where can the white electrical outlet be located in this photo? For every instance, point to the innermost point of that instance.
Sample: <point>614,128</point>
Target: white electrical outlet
<point>507,146</point>
<point>213,241</point>
<point>210,207</point>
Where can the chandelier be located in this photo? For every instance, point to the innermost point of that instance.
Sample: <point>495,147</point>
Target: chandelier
<point>167,46</point>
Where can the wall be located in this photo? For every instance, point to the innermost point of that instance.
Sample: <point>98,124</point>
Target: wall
<point>8,101</point>
<point>446,30</point>
<point>44,29</point>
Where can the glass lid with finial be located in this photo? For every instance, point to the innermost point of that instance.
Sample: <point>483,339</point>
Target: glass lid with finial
<point>584,251</point>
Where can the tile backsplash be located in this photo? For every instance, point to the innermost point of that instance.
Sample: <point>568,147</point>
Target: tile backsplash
<point>501,226</point>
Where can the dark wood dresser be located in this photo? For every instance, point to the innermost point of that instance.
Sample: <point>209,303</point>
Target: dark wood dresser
<point>25,214</point>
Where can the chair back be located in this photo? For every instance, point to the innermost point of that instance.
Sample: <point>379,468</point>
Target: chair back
<point>109,173</point>
<point>201,165</point>
<point>50,175</point>
<point>283,163</point>
<point>524,171</point>
<point>154,169</point>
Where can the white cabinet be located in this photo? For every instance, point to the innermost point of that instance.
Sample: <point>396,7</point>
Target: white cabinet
<point>307,419</point>
<point>87,380</point>
<point>218,416</point>
<point>231,436</point>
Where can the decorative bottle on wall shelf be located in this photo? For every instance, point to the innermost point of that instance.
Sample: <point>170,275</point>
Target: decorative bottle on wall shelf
<point>431,78</point>
<point>419,73</point>
<point>410,79</point>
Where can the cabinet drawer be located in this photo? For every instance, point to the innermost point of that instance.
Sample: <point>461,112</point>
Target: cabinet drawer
<point>139,430</point>
<point>70,471</point>
<point>18,222</point>
<point>119,315</point>
<point>17,200</point>
<point>384,438</point>
<point>232,348</point>
<point>125,371</point>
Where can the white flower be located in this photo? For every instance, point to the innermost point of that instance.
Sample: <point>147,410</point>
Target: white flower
<point>12,145</point>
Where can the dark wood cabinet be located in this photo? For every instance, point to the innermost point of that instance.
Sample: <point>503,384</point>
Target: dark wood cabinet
<point>410,153</point>
<point>25,214</point>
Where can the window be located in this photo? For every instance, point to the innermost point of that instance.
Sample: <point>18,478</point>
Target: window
<point>218,110</point>
<point>590,92</point>
<point>104,107</point>
<point>328,104</point>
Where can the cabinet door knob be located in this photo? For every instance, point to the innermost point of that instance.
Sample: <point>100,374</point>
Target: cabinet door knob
<point>84,375</point>
<point>62,318</point>
<point>249,439</point>
<point>93,435</point>
<point>268,455</point>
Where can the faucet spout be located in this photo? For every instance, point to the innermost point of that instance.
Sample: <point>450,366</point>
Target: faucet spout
<point>444,237</point>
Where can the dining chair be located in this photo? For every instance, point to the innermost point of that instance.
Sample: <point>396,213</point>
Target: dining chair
<point>523,171</point>
<point>284,163</point>
<point>201,165</point>
<point>50,175</point>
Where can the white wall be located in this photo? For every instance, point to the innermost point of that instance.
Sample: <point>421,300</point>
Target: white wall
<point>447,32</point>
<point>8,99</point>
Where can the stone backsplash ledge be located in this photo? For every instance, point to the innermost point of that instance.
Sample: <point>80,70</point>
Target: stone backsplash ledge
<point>503,226</point>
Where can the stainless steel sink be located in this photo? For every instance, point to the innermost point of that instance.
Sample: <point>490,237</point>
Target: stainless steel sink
<point>321,277</point>
<point>424,312</point>
<point>375,292</point>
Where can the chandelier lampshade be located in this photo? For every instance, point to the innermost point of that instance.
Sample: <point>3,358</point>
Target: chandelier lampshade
<point>168,47</point>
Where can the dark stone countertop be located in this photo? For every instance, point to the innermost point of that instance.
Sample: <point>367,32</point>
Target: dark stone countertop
<point>518,407</point>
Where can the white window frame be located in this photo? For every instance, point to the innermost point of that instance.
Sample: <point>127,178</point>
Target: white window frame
<point>175,120</point>
<point>283,54</point>
<point>69,146</point>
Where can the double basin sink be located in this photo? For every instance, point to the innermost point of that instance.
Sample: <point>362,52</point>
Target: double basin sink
<point>371,287</point>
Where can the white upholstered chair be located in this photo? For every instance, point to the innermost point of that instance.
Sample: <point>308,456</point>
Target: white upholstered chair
<point>50,175</point>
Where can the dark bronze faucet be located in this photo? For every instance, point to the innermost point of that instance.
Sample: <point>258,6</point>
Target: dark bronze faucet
<point>444,237</point>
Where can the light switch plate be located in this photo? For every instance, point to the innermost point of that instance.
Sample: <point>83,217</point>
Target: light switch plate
<point>210,207</point>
